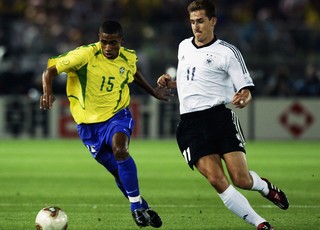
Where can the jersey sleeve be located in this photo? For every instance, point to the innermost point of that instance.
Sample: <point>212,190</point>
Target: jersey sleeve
<point>238,71</point>
<point>73,60</point>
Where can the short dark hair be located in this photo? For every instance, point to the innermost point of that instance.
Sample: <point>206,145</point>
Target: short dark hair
<point>206,5</point>
<point>111,27</point>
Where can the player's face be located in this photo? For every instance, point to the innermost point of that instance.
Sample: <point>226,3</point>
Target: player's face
<point>202,27</point>
<point>110,44</point>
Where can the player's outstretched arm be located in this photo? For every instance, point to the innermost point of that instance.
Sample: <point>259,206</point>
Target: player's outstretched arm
<point>166,81</point>
<point>158,92</point>
<point>47,98</point>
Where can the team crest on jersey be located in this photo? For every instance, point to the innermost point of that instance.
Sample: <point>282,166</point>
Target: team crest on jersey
<point>121,70</point>
<point>209,60</point>
<point>66,61</point>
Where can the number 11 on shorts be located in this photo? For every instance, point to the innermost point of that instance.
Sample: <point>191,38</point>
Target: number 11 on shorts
<point>186,155</point>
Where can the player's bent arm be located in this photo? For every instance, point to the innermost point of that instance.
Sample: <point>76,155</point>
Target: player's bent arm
<point>143,83</point>
<point>47,98</point>
<point>158,92</point>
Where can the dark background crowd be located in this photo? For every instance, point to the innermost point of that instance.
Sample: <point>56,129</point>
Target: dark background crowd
<point>279,39</point>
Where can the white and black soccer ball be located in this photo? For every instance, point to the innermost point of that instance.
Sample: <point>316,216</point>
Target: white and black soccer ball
<point>51,218</point>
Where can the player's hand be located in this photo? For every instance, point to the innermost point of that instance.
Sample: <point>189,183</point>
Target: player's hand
<point>163,94</point>
<point>46,101</point>
<point>242,98</point>
<point>166,81</point>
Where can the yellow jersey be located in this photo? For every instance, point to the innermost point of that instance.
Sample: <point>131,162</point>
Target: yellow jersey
<point>97,87</point>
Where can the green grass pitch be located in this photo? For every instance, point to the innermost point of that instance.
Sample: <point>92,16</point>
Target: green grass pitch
<point>38,173</point>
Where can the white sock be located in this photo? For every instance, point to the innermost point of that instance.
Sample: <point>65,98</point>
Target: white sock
<point>259,184</point>
<point>239,205</point>
<point>135,199</point>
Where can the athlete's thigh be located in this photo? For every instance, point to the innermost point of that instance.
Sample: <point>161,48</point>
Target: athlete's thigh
<point>231,135</point>
<point>193,139</point>
<point>236,164</point>
<point>93,137</point>
<point>120,129</point>
<point>211,167</point>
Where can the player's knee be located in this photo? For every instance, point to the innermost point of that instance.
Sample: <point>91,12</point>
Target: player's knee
<point>243,182</point>
<point>120,153</point>
<point>217,181</point>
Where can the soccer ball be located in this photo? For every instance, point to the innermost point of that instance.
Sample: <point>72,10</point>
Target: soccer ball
<point>51,218</point>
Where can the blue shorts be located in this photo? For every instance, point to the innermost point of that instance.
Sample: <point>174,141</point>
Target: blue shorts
<point>97,137</point>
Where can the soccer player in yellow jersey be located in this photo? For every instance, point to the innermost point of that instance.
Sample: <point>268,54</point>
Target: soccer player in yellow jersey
<point>97,88</point>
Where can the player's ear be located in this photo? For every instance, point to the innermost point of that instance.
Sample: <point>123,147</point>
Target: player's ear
<point>213,21</point>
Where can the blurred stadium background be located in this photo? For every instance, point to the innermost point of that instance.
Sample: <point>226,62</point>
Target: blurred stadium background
<point>279,39</point>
